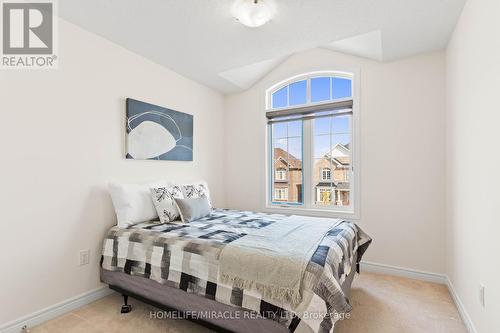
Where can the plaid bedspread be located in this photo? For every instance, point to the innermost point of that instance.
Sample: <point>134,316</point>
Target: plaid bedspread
<point>186,256</point>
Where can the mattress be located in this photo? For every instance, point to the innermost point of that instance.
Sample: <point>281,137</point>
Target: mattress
<point>176,265</point>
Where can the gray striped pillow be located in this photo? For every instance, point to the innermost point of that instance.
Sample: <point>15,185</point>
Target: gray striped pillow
<point>193,209</point>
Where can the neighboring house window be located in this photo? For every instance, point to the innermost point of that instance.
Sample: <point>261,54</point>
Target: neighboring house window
<point>326,174</point>
<point>324,195</point>
<point>281,194</point>
<point>281,175</point>
<point>312,121</point>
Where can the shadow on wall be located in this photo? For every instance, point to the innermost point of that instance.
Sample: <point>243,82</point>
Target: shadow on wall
<point>94,220</point>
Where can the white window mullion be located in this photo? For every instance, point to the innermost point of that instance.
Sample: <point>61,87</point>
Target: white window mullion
<point>332,195</point>
<point>288,95</point>
<point>308,164</point>
<point>288,157</point>
<point>331,88</point>
<point>308,91</point>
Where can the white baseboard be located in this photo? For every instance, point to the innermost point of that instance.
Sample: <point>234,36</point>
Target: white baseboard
<point>55,310</point>
<point>403,272</point>
<point>461,309</point>
<point>424,276</point>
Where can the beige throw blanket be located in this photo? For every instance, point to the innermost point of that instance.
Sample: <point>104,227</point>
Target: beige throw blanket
<point>273,259</point>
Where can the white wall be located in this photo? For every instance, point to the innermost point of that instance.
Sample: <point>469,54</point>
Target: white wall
<point>62,140</point>
<point>402,152</point>
<point>473,161</point>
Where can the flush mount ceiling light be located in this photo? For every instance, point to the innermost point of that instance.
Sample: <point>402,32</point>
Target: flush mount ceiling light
<point>252,13</point>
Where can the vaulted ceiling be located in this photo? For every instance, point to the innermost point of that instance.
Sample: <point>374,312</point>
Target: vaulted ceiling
<point>201,40</point>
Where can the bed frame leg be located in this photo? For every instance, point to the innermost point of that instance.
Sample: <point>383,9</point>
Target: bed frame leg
<point>126,308</point>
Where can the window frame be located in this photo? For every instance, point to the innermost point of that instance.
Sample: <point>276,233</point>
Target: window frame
<point>308,206</point>
<point>278,190</point>
<point>270,171</point>
<point>328,171</point>
<point>281,171</point>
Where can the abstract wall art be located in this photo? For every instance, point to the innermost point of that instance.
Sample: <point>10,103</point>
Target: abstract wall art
<point>158,133</point>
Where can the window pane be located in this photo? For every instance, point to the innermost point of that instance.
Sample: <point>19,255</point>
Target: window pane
<point>341,154</point>
<point>341,88</point>
<point>295,167</point>
<point>287,160</point>
<point>295,148</point>
<point>280,98</point>
<point>322,187</point>
<point>342,139</point>
<point>295,128</point>
<point>326,174</point>
<point>280,147</point>
<point>341,125</point>
<point>280,194</point>
<point>297,92</point>
<point>320,165</point>
<point>325,196</point>
<point>280,171</point>
<point>322,125</point>
<point>321,145</point>
<point>279,130</point>
<point>332,164</point>
<point>320,89</point>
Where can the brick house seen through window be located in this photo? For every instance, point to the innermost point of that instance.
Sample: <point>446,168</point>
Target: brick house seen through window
<point>330,176</point>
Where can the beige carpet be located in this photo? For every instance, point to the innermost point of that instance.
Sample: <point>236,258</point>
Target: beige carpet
<point>382,304</point>
<point>388,304</point>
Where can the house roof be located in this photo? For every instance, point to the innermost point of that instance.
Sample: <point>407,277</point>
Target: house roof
<point>289,159</point>
<point>340,160</point>
<point>324,184</point>
<point>295,163</point>
<point>346,160</point>
<point>338,185</point>
<point>343,186</point>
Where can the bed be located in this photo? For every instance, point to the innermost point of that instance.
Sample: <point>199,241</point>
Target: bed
<point>175,267</point>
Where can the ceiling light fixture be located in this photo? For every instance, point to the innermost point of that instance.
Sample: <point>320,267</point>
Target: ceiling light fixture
<point>252,13</point>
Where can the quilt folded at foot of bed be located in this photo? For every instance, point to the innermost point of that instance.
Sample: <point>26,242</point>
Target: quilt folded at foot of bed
<point>275,258</point>
<point>186,256</point>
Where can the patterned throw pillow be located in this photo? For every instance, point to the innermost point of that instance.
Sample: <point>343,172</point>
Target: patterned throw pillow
<point>164,201</point>
<point>199,190</point>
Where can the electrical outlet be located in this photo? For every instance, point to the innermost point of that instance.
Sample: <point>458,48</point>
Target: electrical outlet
<point>481,295</point>
<point>84,257</point>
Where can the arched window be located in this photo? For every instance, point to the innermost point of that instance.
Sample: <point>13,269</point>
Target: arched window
<point>310,89</point>
<point>311,125</point>
<point>326,174</point>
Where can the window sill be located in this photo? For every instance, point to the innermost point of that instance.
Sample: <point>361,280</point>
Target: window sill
<point>316,212</point>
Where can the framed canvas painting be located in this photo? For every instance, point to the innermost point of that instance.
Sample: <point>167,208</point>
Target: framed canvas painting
<point>158,133</point>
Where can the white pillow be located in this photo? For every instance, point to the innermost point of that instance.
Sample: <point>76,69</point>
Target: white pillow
<point>196,190</point>
<point>164,201</point>
<point>133,203</point>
